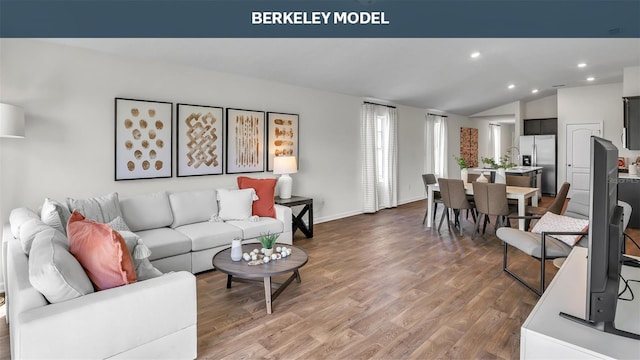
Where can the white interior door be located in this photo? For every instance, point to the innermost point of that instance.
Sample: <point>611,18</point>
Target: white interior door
<point>578,155</point>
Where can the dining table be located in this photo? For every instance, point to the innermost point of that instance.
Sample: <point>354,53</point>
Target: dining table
<point>513,192</point>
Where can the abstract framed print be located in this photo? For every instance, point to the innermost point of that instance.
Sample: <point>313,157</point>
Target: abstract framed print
<point>282,135</point>
<point>245,141</point>
<point>142,139</point>
<point>199,140</point>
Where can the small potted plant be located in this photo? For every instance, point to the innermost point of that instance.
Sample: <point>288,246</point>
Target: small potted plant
<point>462,162</point>
<point>268,241</point>
<point>500,167</point>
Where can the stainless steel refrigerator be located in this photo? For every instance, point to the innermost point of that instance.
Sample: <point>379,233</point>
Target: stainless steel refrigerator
<point>541,149</point>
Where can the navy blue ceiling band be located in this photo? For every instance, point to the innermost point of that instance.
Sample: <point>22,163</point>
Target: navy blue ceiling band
<point>313,18</point>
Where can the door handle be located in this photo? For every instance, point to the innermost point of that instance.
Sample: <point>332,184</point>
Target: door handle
<point>569,165</point>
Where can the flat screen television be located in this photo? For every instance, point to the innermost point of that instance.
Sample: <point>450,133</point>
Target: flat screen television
<point>606,241</point>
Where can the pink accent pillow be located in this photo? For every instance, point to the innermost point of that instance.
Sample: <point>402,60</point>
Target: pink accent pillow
<point>101,251</point>
<point>265,189</point>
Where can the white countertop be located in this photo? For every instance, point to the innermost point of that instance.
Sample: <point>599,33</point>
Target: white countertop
<point>628,176</point>
<point>515,170</point>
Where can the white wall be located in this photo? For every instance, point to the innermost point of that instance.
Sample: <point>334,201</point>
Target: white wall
<point>546,107</point>
<point>631,81</point>
<point>68,96</point>
<point>454,123</point>
<point>591,104</point>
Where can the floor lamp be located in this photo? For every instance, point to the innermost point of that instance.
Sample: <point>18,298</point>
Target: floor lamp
<point>11,126</point>
<point>285,165</point>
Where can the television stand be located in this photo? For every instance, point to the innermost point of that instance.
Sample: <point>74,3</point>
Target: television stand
<point>606,326</point>
<point>546,335</point>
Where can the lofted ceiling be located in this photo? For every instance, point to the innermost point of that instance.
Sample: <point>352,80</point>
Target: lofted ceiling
<point>425,73</point>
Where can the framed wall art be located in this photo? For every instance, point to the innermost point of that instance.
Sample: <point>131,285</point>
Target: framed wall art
<point>245,141</point>
<point>142,139</point>
<point>282,135</point>
<point>199,140</point>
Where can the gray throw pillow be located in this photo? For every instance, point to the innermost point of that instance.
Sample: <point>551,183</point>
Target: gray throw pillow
<point>144,269</point>
<point>55,214</point>
<point>101,209</point>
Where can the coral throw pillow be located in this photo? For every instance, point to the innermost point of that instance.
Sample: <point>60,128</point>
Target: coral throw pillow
<point>101,251</point>
<point>265,189</point>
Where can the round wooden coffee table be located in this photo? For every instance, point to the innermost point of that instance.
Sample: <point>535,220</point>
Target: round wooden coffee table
<point>239,271</point>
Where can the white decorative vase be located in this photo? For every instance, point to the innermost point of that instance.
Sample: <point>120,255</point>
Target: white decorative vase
<point>236,249</point>
<point>501,176</point>
<point>464,175</point>
<point>482,179</point>
<point>268,252</point>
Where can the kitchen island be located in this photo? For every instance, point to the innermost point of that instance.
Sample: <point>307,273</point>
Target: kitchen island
<point>533,172</point>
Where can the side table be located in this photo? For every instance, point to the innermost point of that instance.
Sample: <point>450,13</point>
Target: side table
<point>297,220</point>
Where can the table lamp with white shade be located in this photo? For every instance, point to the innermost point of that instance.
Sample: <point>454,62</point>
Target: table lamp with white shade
<point>283,166</point>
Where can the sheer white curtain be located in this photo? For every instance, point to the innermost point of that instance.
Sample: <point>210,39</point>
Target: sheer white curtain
<point>380,157</point>
<point>436,145</point>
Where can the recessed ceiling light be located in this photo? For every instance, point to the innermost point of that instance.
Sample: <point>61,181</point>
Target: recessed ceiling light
<point>581,65</point>
<point>590,78</point>
<point>534,91</point>
<point>511,86</point>
<point>475,55</point>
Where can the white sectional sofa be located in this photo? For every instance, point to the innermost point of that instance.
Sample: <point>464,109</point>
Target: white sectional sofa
<point>154,318</point>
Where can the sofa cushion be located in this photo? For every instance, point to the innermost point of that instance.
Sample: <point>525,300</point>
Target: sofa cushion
<point>253,229</point>
<point>53,271</point>
<point>101,251</point>
<point>101,209</point>
<point>236,204</point>
<point>149,211</point>
<point>55,214</point>
<point>18,217</point>
<point>193,206</point>
<point>209,234</point>
<point>28,232</point>
<point>164,242</point>
<point>265,190</point>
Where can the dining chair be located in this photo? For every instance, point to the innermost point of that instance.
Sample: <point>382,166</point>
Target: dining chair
<point>490,200</point>
<point>454,198</point>
<point>520,181</point>
<point>555,207</point>
<point>429,179</point>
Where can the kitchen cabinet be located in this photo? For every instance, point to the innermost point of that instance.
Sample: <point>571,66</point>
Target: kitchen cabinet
<point>631,130</point>
<point>541,126</point>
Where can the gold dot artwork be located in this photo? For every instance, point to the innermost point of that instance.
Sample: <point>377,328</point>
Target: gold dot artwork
<point>247,142</point>
<point>144,134</point>
<point>202,140</point>
<point>284,135</point>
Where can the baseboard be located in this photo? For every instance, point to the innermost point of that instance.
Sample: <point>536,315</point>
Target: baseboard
<point>419,198</point>
<point>337,216</point>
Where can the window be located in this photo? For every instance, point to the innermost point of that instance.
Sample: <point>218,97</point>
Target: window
<point>436,145</point>
<point>494,143</point>
<point>379,157</point>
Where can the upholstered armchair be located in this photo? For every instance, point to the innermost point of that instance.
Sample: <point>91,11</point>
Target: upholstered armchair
<point>544,246</point>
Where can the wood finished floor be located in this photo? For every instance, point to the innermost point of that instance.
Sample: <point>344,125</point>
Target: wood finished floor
<point>380,286</point>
